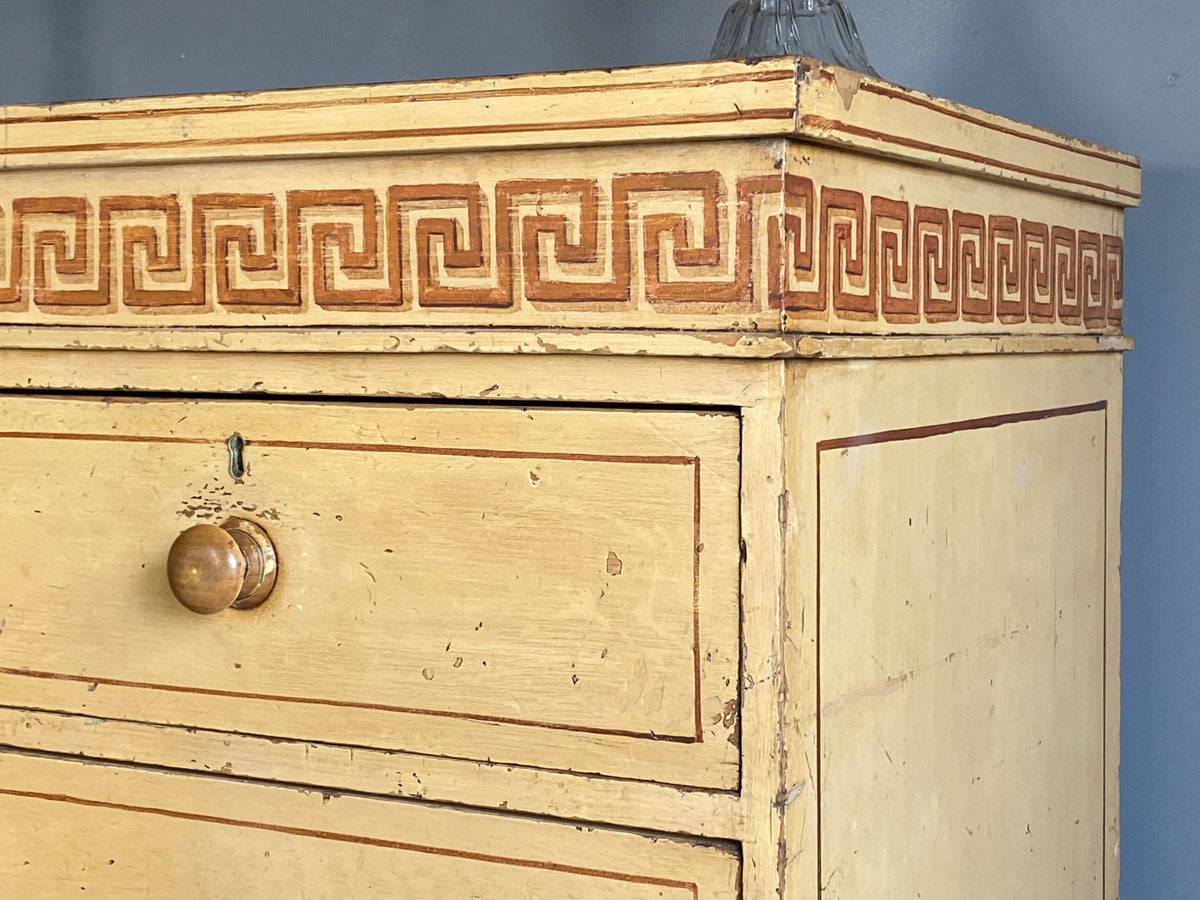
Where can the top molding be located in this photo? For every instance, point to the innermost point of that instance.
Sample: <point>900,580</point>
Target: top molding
<point>781,98</point>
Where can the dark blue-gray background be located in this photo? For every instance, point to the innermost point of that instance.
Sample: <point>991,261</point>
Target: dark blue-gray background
<point>1119,72</point>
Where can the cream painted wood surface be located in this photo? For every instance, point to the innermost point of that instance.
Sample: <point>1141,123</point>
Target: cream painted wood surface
<point>134,833</point>
<point>413,776</point>
<point>695,345</point>
<point>757,426</point>
<point>537,587</point>
<point>640,380</point>
<point>691,101</point>
<point>794,198</point>
<point>987,724</point>
<point>955,688</point>
<point>823,400</point>
<point>850,109</point>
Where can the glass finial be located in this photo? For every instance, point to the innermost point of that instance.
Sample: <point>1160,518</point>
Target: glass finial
<point>821,29</point>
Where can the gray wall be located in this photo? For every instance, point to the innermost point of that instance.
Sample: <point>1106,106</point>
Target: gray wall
<point>1122,73</point>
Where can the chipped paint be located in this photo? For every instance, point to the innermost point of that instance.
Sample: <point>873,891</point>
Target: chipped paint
<point>614,566</point>
<point>847,84</point>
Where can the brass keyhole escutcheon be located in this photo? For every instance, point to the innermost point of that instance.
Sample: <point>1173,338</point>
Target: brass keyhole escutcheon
<point>237,456</point>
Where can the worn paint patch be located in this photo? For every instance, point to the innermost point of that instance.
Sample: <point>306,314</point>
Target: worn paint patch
<point>614,566</point>
<point>847,84</point>
<point>729,713</point>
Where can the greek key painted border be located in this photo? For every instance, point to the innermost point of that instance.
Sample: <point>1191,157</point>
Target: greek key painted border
<point>654,242</point>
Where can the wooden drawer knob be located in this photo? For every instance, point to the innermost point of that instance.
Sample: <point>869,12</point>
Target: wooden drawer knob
<point>215,567</point>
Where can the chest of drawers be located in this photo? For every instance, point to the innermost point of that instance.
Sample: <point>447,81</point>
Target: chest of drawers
<point>699,481</point>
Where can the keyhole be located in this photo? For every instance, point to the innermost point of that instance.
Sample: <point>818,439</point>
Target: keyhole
<point>237,461</point>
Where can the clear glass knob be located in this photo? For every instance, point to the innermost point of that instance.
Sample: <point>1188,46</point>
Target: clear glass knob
<point>821,29</point>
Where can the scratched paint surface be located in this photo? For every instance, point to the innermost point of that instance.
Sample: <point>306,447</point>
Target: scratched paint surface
<point>555,579</point>
<point>152,834</point>
<point>962,664</point>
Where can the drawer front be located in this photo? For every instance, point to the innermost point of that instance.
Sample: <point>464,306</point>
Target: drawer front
<point>76,829</point>
<point>547,587</point>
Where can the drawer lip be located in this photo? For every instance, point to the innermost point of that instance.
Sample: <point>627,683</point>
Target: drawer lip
<point>569,796</point>
<point>348,704</point>
<point>297,831</point>
<point>714,768</point>
<point>407,342</point>
<point>699,867</point>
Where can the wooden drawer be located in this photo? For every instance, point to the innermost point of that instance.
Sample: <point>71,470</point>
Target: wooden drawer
<point>138,833</point>
<point>545,587</point>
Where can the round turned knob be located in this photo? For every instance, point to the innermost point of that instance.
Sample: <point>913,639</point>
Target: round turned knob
<point>215,567</point>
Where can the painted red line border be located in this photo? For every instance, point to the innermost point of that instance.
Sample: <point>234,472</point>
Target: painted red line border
<point>1050,140</point>
<point>822,123</point>
<point>392,134</point>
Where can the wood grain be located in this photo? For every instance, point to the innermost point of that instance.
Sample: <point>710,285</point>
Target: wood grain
<point>475,576</point>
<point>126,830</point>
<point>957,681</point>
<point>690,101</point>
<point>412,776</point>
<point>984,740</point>
<point>695,482</point>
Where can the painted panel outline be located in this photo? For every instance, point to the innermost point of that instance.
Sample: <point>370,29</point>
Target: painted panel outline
<point>946,428</point>
<point>693,462</point>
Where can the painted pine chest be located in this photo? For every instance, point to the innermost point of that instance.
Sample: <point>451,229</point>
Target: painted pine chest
<point>697,482</point>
